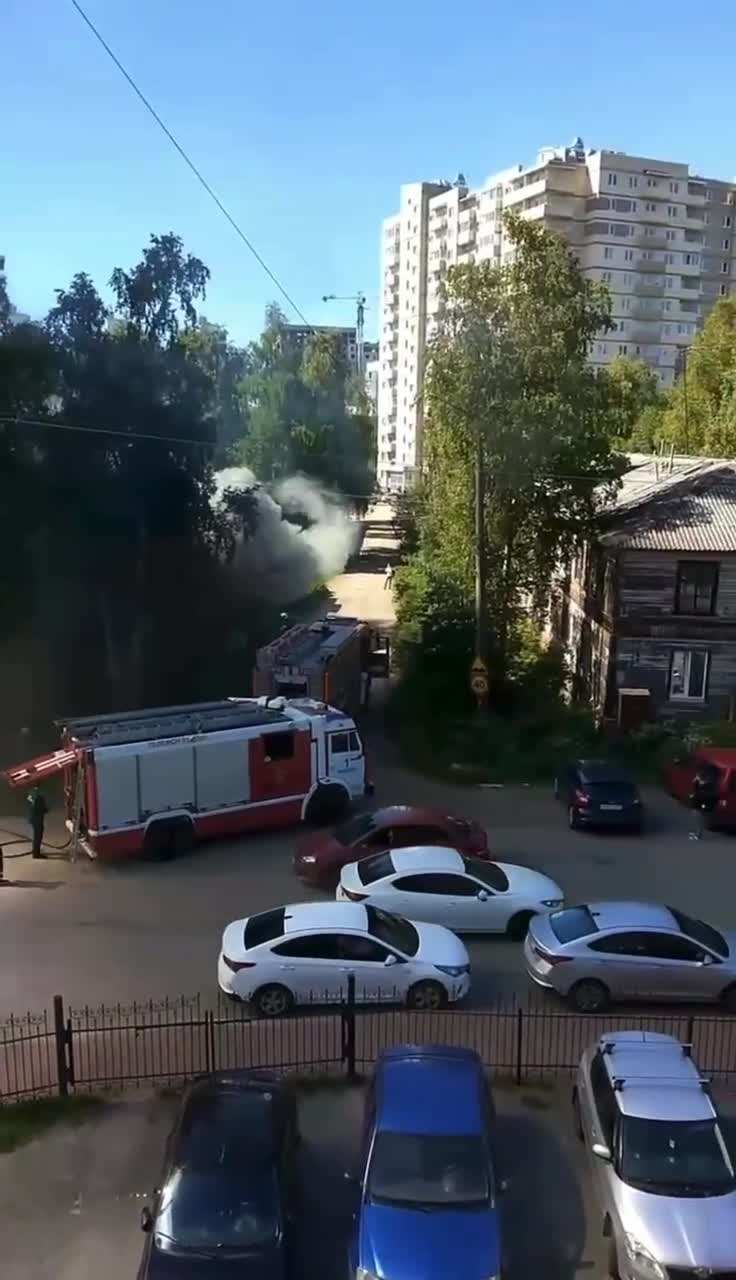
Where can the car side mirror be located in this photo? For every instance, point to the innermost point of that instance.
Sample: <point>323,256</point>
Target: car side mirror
<point>390,959</point>
<point>600,1150</point>
<point>482,895</point>
<point>146,1219</point>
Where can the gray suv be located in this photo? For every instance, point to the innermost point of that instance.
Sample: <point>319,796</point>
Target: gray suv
<point>606,951</point>
<point>662,1175</point>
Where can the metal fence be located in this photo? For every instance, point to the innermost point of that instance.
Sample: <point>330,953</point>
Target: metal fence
<point>166,1042</point>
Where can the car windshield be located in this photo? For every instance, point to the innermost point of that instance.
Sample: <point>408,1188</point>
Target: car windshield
<point>488,872</point>
<point>355,829</point>
<point>701,932</point>
<point>395,931</point>
<point>212,1209</point>
<point>572,923</point>
<point>375,868</point>
<point>433,1170</point>
<point>675,1157</point>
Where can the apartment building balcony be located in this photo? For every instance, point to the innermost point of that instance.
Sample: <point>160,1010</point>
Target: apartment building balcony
<point>695,218</point>
<point>643,310</point>
<point>649,264</point>
<point>649,287</point>
<point>653,240</point>
<point>640,332</point>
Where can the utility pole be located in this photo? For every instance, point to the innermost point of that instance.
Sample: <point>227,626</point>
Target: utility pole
<point>359,300</point>
<point>681,367</point>
<point>479,670</point>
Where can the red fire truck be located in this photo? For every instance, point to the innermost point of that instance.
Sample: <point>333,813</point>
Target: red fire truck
<point>152,783</point>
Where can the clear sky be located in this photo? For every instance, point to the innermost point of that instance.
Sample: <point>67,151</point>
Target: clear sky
<point>306,117</point>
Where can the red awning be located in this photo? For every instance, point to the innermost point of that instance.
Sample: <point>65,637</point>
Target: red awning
<point>33,771</point>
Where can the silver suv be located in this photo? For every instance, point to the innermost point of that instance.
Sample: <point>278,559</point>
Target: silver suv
<point>662,1174</point>
<point>630,951</point>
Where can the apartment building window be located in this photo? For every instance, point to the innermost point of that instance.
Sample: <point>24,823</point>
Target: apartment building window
<point>723,290</point>
<point>691,259</point>
<point>666,330</point>
<point>652,182</point>
<point>674,188</point>
<point>623,348</point>
<point>727,220</point>
<point>606,277</point>
<point>726,245</point>
<point>724,268</point>
<point>696,587</point>
<point>608,251</point>
<point>668,305</point>
<point>706,219</point>
<point>628,255</point>
<point>612,179</point>
<point>671,210</point>
<point>688,674</point>
<point>671,235</point>
<point>708,193</point>
<point>669,259</point>
<point>669,281</point>
<point>633,180</point>
<point>650,206</point>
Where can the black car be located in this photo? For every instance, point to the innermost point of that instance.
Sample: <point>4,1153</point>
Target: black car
<point>224,1206</point>
<point>599,794</point>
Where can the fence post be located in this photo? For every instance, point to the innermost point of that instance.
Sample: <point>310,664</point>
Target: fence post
<point>690,1035</point>
<point>62,1074</point>
<point>348,1028</point>
<point>519,1043</point>
<point>209,1032</point>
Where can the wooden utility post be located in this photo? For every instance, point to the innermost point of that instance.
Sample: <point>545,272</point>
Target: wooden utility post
<point>479,670</point>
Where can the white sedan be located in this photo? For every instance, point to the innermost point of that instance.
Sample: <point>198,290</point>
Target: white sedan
<point>438,884</point>
<point>306,953</point>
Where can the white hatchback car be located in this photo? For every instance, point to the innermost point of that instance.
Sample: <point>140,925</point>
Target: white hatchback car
<point>438,884</point>
<point>305,953</point>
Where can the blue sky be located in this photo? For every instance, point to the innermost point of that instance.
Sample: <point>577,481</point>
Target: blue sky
<point>307,117</point>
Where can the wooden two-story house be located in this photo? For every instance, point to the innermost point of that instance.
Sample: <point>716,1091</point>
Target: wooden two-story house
<point>651,604</point>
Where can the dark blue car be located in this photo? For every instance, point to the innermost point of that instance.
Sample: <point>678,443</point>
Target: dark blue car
<point>427,1191</point>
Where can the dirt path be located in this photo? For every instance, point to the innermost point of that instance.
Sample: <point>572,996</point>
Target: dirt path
<point>361,591</point>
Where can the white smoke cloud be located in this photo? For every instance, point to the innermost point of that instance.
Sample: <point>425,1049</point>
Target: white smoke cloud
<point>282,562</point>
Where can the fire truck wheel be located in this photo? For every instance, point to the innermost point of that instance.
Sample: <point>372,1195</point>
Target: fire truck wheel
<point>328,803</point>
<point>168,839</point>
<point>272,1001</point>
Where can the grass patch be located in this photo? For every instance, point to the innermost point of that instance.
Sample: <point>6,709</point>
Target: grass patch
<point>21,1122</point>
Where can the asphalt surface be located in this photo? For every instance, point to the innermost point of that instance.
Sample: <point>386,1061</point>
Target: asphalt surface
<point>98,933</point>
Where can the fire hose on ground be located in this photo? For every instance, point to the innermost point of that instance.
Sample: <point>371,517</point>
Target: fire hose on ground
<point>17,838</point>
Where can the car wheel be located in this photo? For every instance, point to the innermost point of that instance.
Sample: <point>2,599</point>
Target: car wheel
<point>327,805</point>
<point>518,926</point>
<point>589,995</point>
<point>272,1001</point>
<point>426,995</point>
<point>576,1116</point>
<point>573,821</point>
<point>728,999</point>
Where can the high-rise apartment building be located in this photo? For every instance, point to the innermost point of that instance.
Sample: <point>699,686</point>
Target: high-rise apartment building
<point>661,238</point>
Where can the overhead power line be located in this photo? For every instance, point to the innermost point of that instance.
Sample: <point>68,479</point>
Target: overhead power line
<point>130,437</point>
<point>190,163</point>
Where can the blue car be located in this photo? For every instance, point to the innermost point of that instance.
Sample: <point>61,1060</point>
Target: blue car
<point>427,1191</point>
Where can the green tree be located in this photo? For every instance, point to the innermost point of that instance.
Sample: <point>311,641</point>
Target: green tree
<point>700,416</point>
<point>508,373</point>
<point>638,401</point>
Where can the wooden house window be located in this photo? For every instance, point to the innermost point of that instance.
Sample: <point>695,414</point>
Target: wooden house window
<point>689,675</point>
<point>697,586</point>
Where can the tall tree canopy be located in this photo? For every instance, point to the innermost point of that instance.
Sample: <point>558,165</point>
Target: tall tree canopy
<point>508,373</point>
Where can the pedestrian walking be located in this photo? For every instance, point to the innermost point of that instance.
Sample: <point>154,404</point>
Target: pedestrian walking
<point>388,576</point>
<point>703,799</point>
<point>37,816</point>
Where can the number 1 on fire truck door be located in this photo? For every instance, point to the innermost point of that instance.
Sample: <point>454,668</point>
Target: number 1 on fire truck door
<point>346,760</point>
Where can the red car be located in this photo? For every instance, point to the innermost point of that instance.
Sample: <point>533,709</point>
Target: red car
<point>321,856</point>
<point>679,775</point>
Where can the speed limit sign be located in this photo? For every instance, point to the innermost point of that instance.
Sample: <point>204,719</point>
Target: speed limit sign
<point>479,683</point>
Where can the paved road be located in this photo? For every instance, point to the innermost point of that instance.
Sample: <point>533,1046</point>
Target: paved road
<point>99,933</point>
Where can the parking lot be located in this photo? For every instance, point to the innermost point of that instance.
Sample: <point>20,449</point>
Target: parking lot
<point>89,1184</point>
<point>115,934</point>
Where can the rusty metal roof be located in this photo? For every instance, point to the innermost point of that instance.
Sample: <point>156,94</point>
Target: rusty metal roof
<point>686,504</point>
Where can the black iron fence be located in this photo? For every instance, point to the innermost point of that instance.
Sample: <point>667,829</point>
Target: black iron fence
<point>166,1042</point>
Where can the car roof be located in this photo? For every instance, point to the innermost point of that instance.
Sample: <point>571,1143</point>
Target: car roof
<point>601,771</point>
<point>632,915</point>
<point>658,1080</point>
<point>226,1122</point>
<point>398,815</point>
<point>427,858</point>
<point>430,1089</point>
<point>301,917</point>
<point>723,757</point>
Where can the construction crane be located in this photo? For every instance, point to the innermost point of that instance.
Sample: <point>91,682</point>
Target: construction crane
<point>359,300</point>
